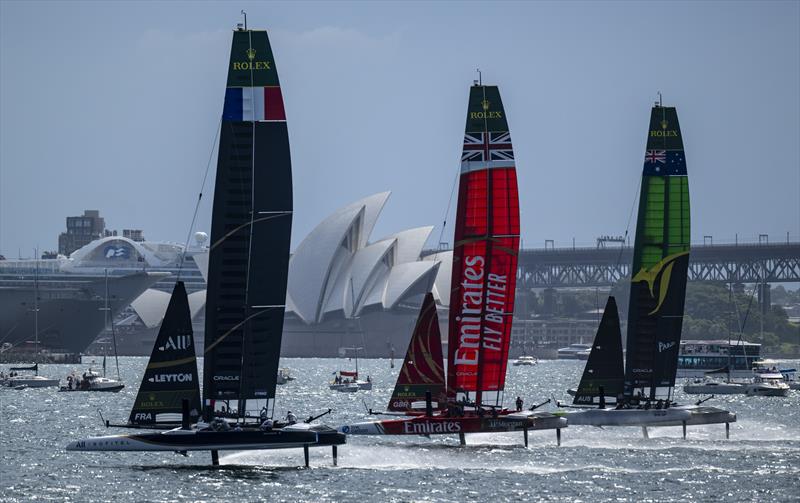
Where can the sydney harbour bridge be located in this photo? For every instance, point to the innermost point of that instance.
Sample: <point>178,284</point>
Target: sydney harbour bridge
<point>603,266</point>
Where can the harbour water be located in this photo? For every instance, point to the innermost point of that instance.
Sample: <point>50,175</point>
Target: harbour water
<point>761,461</point>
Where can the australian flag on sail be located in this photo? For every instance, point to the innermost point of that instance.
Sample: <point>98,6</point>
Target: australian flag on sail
<point>664,162</point>
<point>498,147</point>
<point>253,104</point>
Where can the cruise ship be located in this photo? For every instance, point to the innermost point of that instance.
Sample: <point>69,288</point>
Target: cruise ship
<point>72,292</point>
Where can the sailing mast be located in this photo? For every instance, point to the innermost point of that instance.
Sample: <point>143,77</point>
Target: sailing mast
<point>486,245</point>
<point>660,263</point>
<point>36,312</point>
<point>110,318</point>
<point>250,233</point>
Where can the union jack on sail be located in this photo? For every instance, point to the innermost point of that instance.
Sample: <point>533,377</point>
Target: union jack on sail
<point>477,149</point>
<point>653,156</point>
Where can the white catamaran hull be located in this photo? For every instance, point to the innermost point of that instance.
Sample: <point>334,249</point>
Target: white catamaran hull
<point>31,382</point>
<point>705,414</point>
<point>626,417</point>
<point>767,390</point>
<point>542,420</point>
<point>352,386</point>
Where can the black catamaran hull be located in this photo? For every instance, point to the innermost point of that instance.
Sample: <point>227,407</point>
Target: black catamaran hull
<point>194,440</point>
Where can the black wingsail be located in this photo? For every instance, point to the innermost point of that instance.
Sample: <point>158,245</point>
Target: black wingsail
<point>250,231</point>
<point>660,263</point>
<point>171,373</point>
<point>604,368</point>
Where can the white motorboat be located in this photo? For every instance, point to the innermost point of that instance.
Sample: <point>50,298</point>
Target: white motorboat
<point>28,381</point>
<point>21,381</point>
<point>714,387</point>
<point>525,361</point>
<point>91,381</point>
<point>768,384</point>
<point>790,376</point>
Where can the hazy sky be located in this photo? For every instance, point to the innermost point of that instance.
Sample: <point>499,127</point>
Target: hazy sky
<point>114,106</point>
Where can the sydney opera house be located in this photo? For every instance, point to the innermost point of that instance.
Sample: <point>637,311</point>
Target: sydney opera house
<point>347,290</point>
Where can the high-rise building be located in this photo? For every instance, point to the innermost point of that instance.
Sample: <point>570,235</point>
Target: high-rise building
<point>133,234</point>
<point>81,230</point>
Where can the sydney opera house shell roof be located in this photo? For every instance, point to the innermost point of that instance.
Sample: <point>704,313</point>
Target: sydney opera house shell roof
<point>348,290</point>
<point>337,272</point>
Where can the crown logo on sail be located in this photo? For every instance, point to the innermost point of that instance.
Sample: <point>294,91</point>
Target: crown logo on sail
<point>485,105</point>
<point>251,54</point>
<point>664,124</point>
<point>662,271</point>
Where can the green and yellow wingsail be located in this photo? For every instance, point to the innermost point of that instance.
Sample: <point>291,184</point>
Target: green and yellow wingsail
<point>660,262</point>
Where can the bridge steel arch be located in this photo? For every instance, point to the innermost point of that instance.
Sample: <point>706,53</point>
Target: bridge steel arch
<point>602,267</point>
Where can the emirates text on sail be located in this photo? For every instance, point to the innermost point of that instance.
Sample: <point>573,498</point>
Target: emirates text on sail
<point>473,312</point>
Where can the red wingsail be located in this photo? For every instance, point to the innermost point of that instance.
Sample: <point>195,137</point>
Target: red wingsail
<point>423,367</point>
<point>486,246</point>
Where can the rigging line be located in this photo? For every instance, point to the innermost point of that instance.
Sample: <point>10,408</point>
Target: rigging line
<point>743,323</point>
<point>110,317</point>
<point>449,204</point>
<point>732,300</point>
<point>447,211</point>
<point>199,198</point>
<point>628,226</point>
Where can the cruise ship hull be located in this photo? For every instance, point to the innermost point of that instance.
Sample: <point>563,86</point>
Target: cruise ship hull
<point>70,309</point>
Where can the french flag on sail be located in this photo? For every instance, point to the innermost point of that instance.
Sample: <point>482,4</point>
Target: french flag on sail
<point>253,104</point>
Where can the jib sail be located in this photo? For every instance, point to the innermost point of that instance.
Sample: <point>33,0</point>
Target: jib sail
<point>486,245</point>
<point>660,262</point>
<point>171,373</point>
<point>423,367</point>
<point>604,369</point>
<point>250,231</point>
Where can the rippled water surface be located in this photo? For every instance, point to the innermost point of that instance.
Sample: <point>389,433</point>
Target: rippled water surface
<point>761,461</point>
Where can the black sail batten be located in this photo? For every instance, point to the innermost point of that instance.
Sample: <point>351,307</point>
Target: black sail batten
<point>660,262</point>
<point>250,230</point>
<point>604,369</point>
<point>171,373</point>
